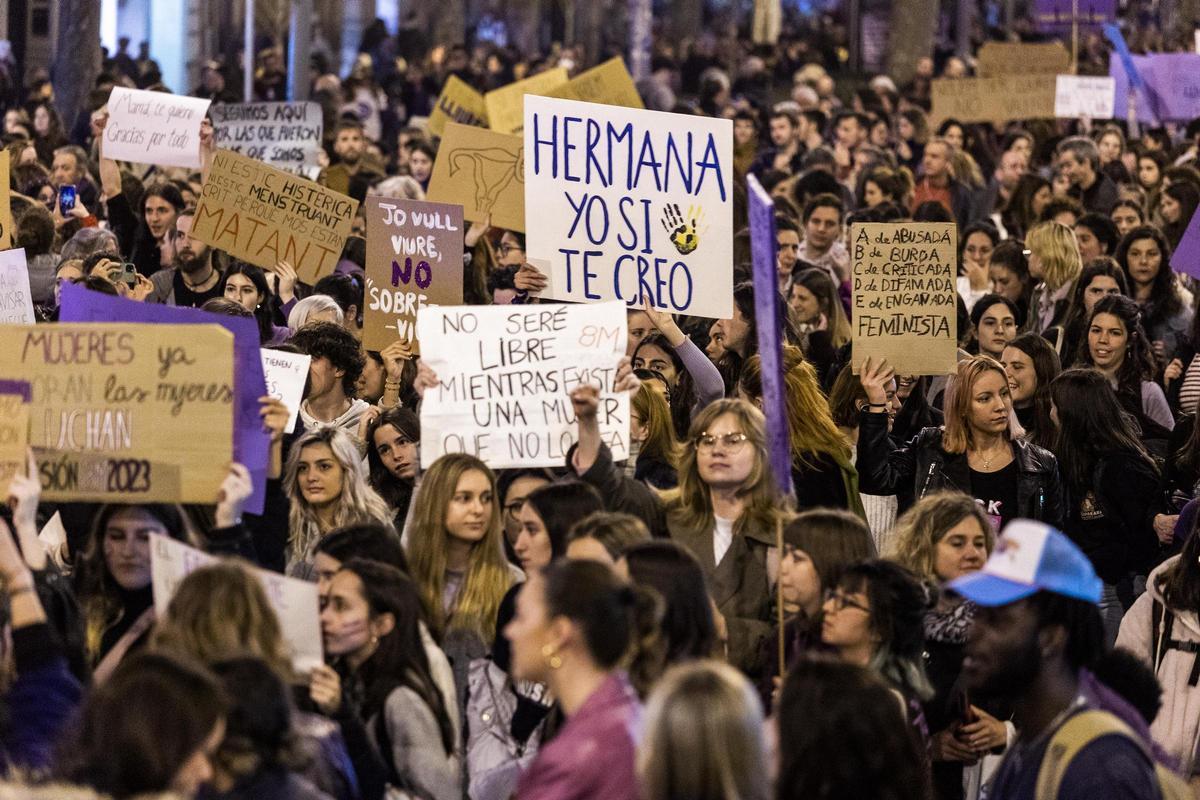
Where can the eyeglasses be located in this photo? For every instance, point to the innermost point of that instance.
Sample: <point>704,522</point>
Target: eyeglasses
<point>506,248</point>
<point>841,602</point>
<point>732,442</point>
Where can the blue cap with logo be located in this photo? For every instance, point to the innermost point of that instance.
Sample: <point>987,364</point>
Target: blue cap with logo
<point>1031,557</point>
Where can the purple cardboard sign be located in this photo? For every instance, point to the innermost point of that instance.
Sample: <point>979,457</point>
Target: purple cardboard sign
<point>17,387</point>
<point>1186,258</point>
<point>1054,16</point>
<point>251,445</point>
<point>770,351</point>
<point>1171,89</point>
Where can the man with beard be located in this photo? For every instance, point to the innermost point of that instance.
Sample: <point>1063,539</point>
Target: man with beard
<point>191,280</point>
<point>353,174</point>
<point>1036,631</point>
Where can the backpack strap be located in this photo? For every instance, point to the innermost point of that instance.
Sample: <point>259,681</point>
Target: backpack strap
<point>1075,734</point>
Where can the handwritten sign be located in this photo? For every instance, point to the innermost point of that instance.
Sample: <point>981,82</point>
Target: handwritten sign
<point>295,602</point>
<point>16,298</point>
<point>1022,58</point>
<point>1001,99</point>
<point>1084,96</point>
<point>14,437</point>
<point>482,171</point>
<point>127,413</point>
<point>286,374</point>
<point>414,258</point>
<point>460,103</point>
<point>6,223</point>
<point>1172,86</point>
<point>264,215</point>
<point>904,296</point>
<point>505,105</point>
<point>153,128</point>
<point>609,83</point>
<point>632,204</point>
<point>504,376</point>
<point>285,135</point>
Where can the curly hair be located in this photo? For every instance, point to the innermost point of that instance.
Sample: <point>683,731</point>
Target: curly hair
<point>920,529</point>
<point>332,341</point>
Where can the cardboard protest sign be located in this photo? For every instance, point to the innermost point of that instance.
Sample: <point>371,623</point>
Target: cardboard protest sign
<point>458,102</point>
<point>6,223</point>
<point>264,215</point>
<point>504,378</point>
<point>251,445</point>
<point>505,105</point>
<point>1172,86</point>
<point>766,311</point>
<point>1002,99</point>
<point>295,602</point>
<point>286,375</point>
<point>16,299</point>
<point>482,171</point>
<point>632,204</point>
<point>609,83</point>
<point>106,399</point>
<point>904,295</point>
<point>14,430</point>
<point>285,135</point>
<point>153,128</point>
<point>1022,58</point>
<point>1084,96</point>
<point>414,258</point>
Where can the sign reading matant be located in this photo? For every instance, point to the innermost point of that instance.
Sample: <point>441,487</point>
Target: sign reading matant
<point>264,215</point>
<point>631,204</point>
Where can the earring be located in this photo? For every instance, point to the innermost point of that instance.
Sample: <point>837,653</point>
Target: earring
<point>551,655</point>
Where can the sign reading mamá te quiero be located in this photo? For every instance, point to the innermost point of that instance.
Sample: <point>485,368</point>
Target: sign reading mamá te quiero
<point>631,205</point>
<point>126,412</point>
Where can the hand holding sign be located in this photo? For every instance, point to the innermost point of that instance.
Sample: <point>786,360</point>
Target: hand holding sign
<point>231,499</point>
<point>874,379</point>
<point>530,279</point>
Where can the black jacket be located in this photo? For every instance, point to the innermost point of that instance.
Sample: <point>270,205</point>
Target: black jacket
<point>925,467</point>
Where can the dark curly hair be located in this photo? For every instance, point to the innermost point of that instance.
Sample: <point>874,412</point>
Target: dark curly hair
<point>332,341</point>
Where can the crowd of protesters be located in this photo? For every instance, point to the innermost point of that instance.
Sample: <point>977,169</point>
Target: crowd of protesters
<point>970,573</point>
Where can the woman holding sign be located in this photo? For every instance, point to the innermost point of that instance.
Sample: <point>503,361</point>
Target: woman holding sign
<point>978,451</point>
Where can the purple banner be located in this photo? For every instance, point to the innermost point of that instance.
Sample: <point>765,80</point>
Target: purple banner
<point>1172,87</point>
<point>1054,16</point>
<point>766,309</point>
<point>1186,258</point>
<point>251,446</point>
<point>16,387</point>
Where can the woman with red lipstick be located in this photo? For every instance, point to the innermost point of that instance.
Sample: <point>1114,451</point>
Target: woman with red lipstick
<point>979,450</point>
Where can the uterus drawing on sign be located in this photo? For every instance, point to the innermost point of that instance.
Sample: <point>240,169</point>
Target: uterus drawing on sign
<point>684,229</point>
<point>493,169</point>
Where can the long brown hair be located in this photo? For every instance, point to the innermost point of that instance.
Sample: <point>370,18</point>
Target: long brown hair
<point>958,437</point>
<point>660,440</point>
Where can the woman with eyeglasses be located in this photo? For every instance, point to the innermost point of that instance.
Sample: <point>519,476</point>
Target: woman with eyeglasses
<point>978,451</point>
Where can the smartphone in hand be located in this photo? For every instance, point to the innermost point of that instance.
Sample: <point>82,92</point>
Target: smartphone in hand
<point>66,199</point>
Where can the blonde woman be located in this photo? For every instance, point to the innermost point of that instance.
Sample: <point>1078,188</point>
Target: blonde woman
<point>652,429</point>
<point>1054,262</point>
<point>703,738</point>
<point>326,483</point>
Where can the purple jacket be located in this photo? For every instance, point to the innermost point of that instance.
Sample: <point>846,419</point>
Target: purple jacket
<point>594,753</point>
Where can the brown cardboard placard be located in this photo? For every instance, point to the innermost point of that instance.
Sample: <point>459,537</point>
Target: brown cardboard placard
<point>264,215</point>
<point>1022,58</point>
<point>414,259</point>
<point>14,438</point>
<point>1002,99</point>
<point>609,83</point>
<point>482,171</point>
<point>904,295</point>
<point>460,103</point>
<point>506,105</point>
<point>6,222</point>
<point>127,412</point>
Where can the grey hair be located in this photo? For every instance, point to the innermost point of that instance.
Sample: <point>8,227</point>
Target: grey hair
<point>306,308</point>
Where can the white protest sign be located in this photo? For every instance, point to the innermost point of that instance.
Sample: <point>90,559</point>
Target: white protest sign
<point>16,299</point>
<point>295,601</point>
<point>285,135</point>
<point>153,128</point>
<point>630,204</point>
<point>1084,96</point>
<point>504,378</point>
<point>53,534</point>
<point>286,374</point>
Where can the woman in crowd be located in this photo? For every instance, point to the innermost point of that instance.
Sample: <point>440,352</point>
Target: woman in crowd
<point>371,628</point>
<point>546,516</point>
<point>393,456</point>
<point>1117,345</point>
<point>1031,364</point>
<point>1176,205</point>
<point>1031,195</point>
<point>1098,279</point>
<point>976,244</point>
<point>575,623</point>
<point>1113,484</point>
<point>1110,143</point>
<point>979,451</point>
<point>1145,257</point>
<point>246,285</point>
<point>943,537</point>
<point>1127,215</point>
<point>692,380</point>
<point>147,234</point>
<point>994,319</point>
<point>604,536</point>
<point>513,486</point>
<point>704,737</point>
<point>326,484</point>
<point>816,306</point>
<point>1054,262</point>
<point>316,308</point>
<point>1008,271</point>
<point>653,433</point>
<point>846,402</point>
<point>1150,166</point>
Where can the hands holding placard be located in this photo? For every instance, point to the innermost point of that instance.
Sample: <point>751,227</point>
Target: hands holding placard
<point>476,232</point>
<point>285,282</point>
<point>664,322</point>
<point>874,378</point>
<point>231,499</point>
<point>529,279</point>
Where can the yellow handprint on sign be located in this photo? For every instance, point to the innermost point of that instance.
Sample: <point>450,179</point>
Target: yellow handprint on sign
<point>683,230</point>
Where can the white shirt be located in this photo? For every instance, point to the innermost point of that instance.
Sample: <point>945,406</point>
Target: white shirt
<point>722,539</point>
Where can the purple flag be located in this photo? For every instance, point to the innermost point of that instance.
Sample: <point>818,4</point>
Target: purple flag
<point>1171,86</point>
<point>1186,258</point>
<point>251,445</point>
<point>1054,16</point>
<point>766,309</point>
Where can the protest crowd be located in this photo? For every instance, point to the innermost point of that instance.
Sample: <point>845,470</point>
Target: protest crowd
<point>751,431</point>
